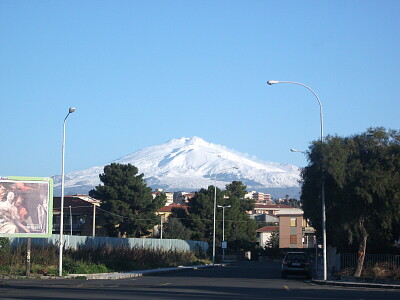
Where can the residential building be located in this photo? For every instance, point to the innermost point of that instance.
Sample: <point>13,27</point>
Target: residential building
<point>259,197</point>
<point>291,231</point>
<point>169,195</point>
<point>294,232</point>
<point>182,197</point>
<point>275,209</point>
<point>167,210</point>
<point>79,213</point>
<point>266,218</point>
<point>264,234</point>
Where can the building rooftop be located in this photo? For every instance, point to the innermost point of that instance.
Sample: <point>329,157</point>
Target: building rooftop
<point>268,229</point>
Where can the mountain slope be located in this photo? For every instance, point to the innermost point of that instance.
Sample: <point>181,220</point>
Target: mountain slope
<point>189,164</point>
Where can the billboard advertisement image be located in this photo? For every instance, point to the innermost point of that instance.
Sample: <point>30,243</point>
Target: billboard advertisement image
<point>26,206</point>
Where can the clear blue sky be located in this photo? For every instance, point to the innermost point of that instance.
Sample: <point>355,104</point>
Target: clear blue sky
<point>143,72</point>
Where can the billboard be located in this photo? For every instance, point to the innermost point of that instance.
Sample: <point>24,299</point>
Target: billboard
<point>26,206</point>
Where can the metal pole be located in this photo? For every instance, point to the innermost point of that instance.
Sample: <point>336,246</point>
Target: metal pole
<point>28,256</point>
<point>71,110</point>
<point>161,226</point>
<point>223,227</point>
<point>70,219</point>
<point>94,221</point>
<point>270,82</point>
<point>223,232</point>
<point>215,209</point>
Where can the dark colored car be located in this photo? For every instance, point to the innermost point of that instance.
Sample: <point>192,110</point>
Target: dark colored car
<point>296,263</point>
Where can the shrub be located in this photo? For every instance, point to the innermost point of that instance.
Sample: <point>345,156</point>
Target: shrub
<point>88,260</point>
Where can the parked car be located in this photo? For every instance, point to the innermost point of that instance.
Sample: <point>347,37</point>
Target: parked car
<point>296,263</point>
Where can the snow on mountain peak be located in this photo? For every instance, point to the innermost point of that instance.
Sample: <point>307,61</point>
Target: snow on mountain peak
<point>189,164</point>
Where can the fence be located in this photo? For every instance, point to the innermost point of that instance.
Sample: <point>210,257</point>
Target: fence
<point>74,241</point>
<point>389,261</point>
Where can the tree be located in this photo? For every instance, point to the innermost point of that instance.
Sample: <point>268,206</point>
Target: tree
<point>200,214</point>
<point>240,229</point>
<point>236,189</point>
<point>362,184</point>
<point>128,201</point>
<point>273,241</point>
<point>174,229</point>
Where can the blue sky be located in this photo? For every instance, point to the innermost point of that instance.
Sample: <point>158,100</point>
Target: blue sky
<point>143,72</point>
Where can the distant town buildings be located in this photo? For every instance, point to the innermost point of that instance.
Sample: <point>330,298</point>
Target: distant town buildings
<point>170,196</point>
<point>259,197</point>
<point>82,217</point>
<point>182,197</point>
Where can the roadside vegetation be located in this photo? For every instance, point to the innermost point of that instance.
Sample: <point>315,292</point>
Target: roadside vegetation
<point>361,178</point>
<point>378,272</point>
<point>105,259</point>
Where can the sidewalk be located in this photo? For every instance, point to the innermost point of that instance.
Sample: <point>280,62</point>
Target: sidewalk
<point>350,281</point>
<point>130,274</point>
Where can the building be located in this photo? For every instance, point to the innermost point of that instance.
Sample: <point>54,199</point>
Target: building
<point>183,197</point>
<point>264,234</point>
<point>79,213</point>
<point>167,210</point>
<point>259,197</point>
<point>274,209</point>
<point>294,232</point>
<point>169,195</point>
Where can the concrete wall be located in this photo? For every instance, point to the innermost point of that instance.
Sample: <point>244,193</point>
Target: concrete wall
<point>74,241</point>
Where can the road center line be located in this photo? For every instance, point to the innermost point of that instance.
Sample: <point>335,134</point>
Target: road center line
<point>167,283</point>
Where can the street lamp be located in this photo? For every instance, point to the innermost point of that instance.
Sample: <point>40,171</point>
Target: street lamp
<point>223,228</point>
<point>271,82</point>
<point>295,150</point>
<point>215,207</point>
<point>70,111</point>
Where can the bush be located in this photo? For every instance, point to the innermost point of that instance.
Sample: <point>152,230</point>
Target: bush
<point>4,245</point>
<point>89,260</point>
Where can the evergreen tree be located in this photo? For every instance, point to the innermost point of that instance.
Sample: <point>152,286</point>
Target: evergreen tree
<point>240,229</point>
<point>128,201</point>
<point>174,229</point>
<point>362,184</point>
<point>201,214</point>
<point>273,241</point>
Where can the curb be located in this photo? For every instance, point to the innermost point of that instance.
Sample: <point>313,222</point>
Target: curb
<point>356,284</point>
<point>139,273</point>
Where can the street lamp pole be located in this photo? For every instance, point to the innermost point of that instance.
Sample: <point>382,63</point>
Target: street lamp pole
<point>70,111</point>
<point>223,227</point>
<point>215,208</point>
<point>271,82</point>
<point>161,227</point>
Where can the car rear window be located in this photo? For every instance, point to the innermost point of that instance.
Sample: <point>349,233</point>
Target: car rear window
<point>296,256</point>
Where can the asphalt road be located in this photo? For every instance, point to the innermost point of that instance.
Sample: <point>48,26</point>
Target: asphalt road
<point>247,280</point>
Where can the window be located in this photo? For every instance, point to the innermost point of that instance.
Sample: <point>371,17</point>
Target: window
<point>293,222</point>
<point>293,239</point>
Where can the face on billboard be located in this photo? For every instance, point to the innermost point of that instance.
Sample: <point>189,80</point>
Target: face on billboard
<point>24,207</point>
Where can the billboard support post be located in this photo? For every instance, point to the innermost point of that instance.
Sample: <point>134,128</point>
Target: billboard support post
<point>28,256</point>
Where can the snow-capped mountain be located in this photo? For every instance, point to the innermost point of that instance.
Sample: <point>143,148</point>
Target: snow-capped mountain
<point>188,164</point>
